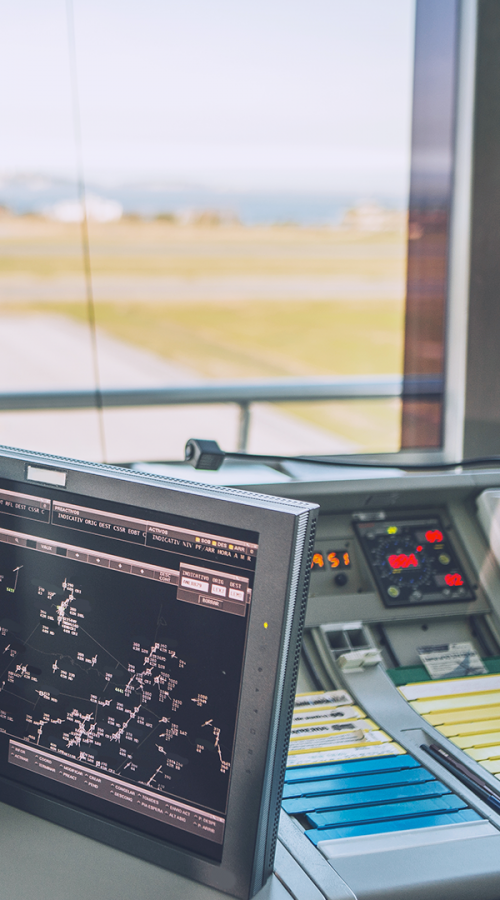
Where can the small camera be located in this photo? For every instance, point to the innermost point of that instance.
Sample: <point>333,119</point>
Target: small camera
<point>204,454</point>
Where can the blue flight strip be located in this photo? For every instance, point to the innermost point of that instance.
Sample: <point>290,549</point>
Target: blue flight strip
<point>370,796</point>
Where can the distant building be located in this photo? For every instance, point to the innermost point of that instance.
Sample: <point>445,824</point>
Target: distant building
<point>99,209</point>
<point>372,217</point>
<point>207,217</point>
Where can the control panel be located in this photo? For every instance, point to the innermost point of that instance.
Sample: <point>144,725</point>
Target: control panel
<point>338,566</point>
<point>337,561</point>
<point>413,562</point>
<point>412,633</point>
<point>393,566</point>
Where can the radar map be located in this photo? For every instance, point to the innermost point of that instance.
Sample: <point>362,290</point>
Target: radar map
<point>117,684</point>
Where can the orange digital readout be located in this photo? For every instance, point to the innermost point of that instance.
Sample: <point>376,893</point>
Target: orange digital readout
<point>338,558</point>
<point>317,561</point>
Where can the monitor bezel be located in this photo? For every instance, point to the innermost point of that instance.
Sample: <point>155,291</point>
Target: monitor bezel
<point>286,531</point>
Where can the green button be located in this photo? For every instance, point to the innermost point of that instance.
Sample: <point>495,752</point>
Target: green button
<point>393,591</point>
<point>444,559</point>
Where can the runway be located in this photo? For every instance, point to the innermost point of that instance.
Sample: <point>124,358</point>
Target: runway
<point>48,352</point>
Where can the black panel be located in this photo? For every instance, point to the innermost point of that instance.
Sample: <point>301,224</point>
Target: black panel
<point>413,562</point>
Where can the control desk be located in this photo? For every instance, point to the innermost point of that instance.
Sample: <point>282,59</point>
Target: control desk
<point>393,771</point>
<point>392,790</point>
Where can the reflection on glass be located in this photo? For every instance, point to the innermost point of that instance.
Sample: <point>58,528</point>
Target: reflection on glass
<point>247,174</point>
<point>429,220</point>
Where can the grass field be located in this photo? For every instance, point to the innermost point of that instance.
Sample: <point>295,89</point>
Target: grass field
<point>40,247</point>
<point>214,299</point>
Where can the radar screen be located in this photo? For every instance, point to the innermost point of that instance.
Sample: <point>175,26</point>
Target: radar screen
<point>413,562</point>
<point>149,637</point>
<point>122,643</point>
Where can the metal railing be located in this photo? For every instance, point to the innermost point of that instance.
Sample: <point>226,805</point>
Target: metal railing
<point>243,394</point>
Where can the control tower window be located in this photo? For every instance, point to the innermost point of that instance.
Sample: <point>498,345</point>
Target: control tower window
<point>245,174</point>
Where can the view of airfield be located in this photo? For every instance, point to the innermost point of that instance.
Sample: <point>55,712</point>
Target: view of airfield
<point>176,303</point>
<point>247,258</point>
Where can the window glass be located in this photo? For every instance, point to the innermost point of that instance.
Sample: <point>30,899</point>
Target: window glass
<point>246,172</point>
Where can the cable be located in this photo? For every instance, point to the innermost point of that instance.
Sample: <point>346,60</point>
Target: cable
<point>203,454</point>
<point>462,464</point>
<point>82,196</point>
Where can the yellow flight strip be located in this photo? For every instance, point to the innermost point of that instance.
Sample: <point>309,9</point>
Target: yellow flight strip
<point>480,753</point>
<point>317,731</point>
<point>428,690</point>
<point>321,700</point>
<point>468,714</point>
<point>323,744</point>
<point>323,717</point>
<point>485,739</point>
<point>454,717</point>
<point>465,701</point>
<point>473,728</point>
<point>340,754</point>
<point>350,737</point>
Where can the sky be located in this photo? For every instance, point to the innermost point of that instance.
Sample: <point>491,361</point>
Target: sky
<point>236,94</point>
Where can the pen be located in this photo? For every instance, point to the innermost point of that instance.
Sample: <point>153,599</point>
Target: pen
<point>470,779</point>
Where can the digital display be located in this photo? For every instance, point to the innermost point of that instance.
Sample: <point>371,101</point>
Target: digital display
<point>122,639</point>
<point>413,562</point>
<point>318,561</point>
<point>339,559</point>
<point>432,536</point>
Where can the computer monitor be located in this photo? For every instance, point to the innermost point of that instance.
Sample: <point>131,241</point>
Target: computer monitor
<point>149,638</point>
